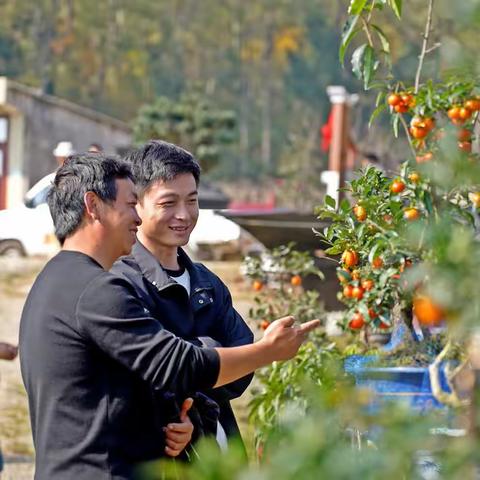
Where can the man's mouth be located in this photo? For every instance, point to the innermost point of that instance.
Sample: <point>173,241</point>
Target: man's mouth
<point>179,229</point>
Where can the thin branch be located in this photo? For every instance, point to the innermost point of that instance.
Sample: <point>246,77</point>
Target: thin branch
<point>428,29</point>
<point>407,132</point>
<point>367,31</point>
<point>431,49</point>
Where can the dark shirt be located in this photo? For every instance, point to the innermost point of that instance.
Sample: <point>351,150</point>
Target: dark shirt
<point>206,318</point>
<point>93,361</point>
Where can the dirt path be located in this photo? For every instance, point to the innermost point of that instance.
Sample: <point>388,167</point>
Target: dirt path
<point>16,278</point>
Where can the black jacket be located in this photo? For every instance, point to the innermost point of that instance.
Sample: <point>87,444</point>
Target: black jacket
<point>94,362</point>
<point>207,318</point>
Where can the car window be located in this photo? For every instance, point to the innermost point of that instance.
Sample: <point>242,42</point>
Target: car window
<point>39,198</point>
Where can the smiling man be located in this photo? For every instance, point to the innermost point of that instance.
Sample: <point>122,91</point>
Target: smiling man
<point>190,300</point>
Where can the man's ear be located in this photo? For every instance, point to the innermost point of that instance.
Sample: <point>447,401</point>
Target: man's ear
<point>92,205</point>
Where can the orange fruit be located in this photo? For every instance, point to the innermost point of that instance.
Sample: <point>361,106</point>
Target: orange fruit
<point>264,324</point>
<point>408,100</point>
<point>473,104</point>
<point>414,177</point>
<point>357,321</point>
<point>356,275</point>
<point>360,213</point>
<point>394,99</point>
<point>429,123</point>
<point>348,291</point>
<point>368,284</point>
<point>257,285</point>
<point>464,113</point>
<point>427,311</point>
<point>296,280</point>
<point>475,198</point>
<point>417,122</point>
<point>411,213</point>
<point>418,132</point>
<point>397,186</point>
<point>401,108</point>
<point>357,292</point>
<point>454,113</point>
<point>372,313</point>
<point>424,158</point>
<point>464,135</point>
<point>377,262</point>
<point>350,258</point>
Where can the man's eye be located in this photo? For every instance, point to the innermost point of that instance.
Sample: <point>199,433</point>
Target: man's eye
<point>193,201</point>
<point>167,204</point>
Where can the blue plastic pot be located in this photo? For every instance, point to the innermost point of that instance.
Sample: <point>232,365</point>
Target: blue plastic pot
<point>405,384</point>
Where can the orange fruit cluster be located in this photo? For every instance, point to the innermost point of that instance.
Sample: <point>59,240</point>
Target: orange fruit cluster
<point>401,102</point>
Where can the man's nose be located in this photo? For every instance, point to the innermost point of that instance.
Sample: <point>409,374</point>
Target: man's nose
<point>138,220</point>
<point>182,212</point>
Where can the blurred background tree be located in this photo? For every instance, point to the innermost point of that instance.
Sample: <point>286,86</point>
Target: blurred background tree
<point>269,62</point>
<point>191,122</point>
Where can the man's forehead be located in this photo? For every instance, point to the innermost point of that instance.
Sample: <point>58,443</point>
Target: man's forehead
<point>183,183</point>
<point>126,186</point>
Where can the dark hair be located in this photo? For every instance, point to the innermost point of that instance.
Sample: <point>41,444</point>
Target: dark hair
<point>159,160</point>
<point>82,173</point>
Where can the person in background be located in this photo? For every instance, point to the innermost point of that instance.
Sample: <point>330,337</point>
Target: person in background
<point>95,148</point>
<point>61,152</point>
<point>7,352</point>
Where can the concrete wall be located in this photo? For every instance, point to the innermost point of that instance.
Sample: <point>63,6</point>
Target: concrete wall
<point>47,120</point>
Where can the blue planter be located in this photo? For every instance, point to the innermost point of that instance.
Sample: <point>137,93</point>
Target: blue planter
<point>405,384</point>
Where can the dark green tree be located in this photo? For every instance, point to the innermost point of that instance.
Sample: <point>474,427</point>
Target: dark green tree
<point>192,122</point>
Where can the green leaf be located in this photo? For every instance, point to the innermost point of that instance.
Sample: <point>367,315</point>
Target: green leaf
<point>364,63</point>
<point>348,33</point>
<point>344,205</point>
<point>373,252</point>
<point>358,60</point>
<point>356,6</point>
<point>395,124</point>
<point>375,113</point>
<point>396,7</point>
<point>335,250</point>
<point>383,38</point>
<point>370,66</point>
<point>330,201</point>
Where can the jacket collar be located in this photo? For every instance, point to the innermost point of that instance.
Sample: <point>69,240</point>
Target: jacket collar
<point>150,266</point>
<point>155,274</point>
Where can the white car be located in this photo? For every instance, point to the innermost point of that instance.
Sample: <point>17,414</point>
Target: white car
<point>27,229</point>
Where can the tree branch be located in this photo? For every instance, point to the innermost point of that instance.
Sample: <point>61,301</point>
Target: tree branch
<point>407,133</point>
<point>367,31</point>
<point>428,29</point>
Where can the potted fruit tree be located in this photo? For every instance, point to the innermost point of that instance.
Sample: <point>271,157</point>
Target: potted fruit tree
<point>399,236</point>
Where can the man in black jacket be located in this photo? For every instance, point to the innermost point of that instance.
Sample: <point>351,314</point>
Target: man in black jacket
<point>93,358</point>
<point>194,302</point>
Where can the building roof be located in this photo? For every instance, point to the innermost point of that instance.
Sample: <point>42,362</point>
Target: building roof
<point>65,104</point>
